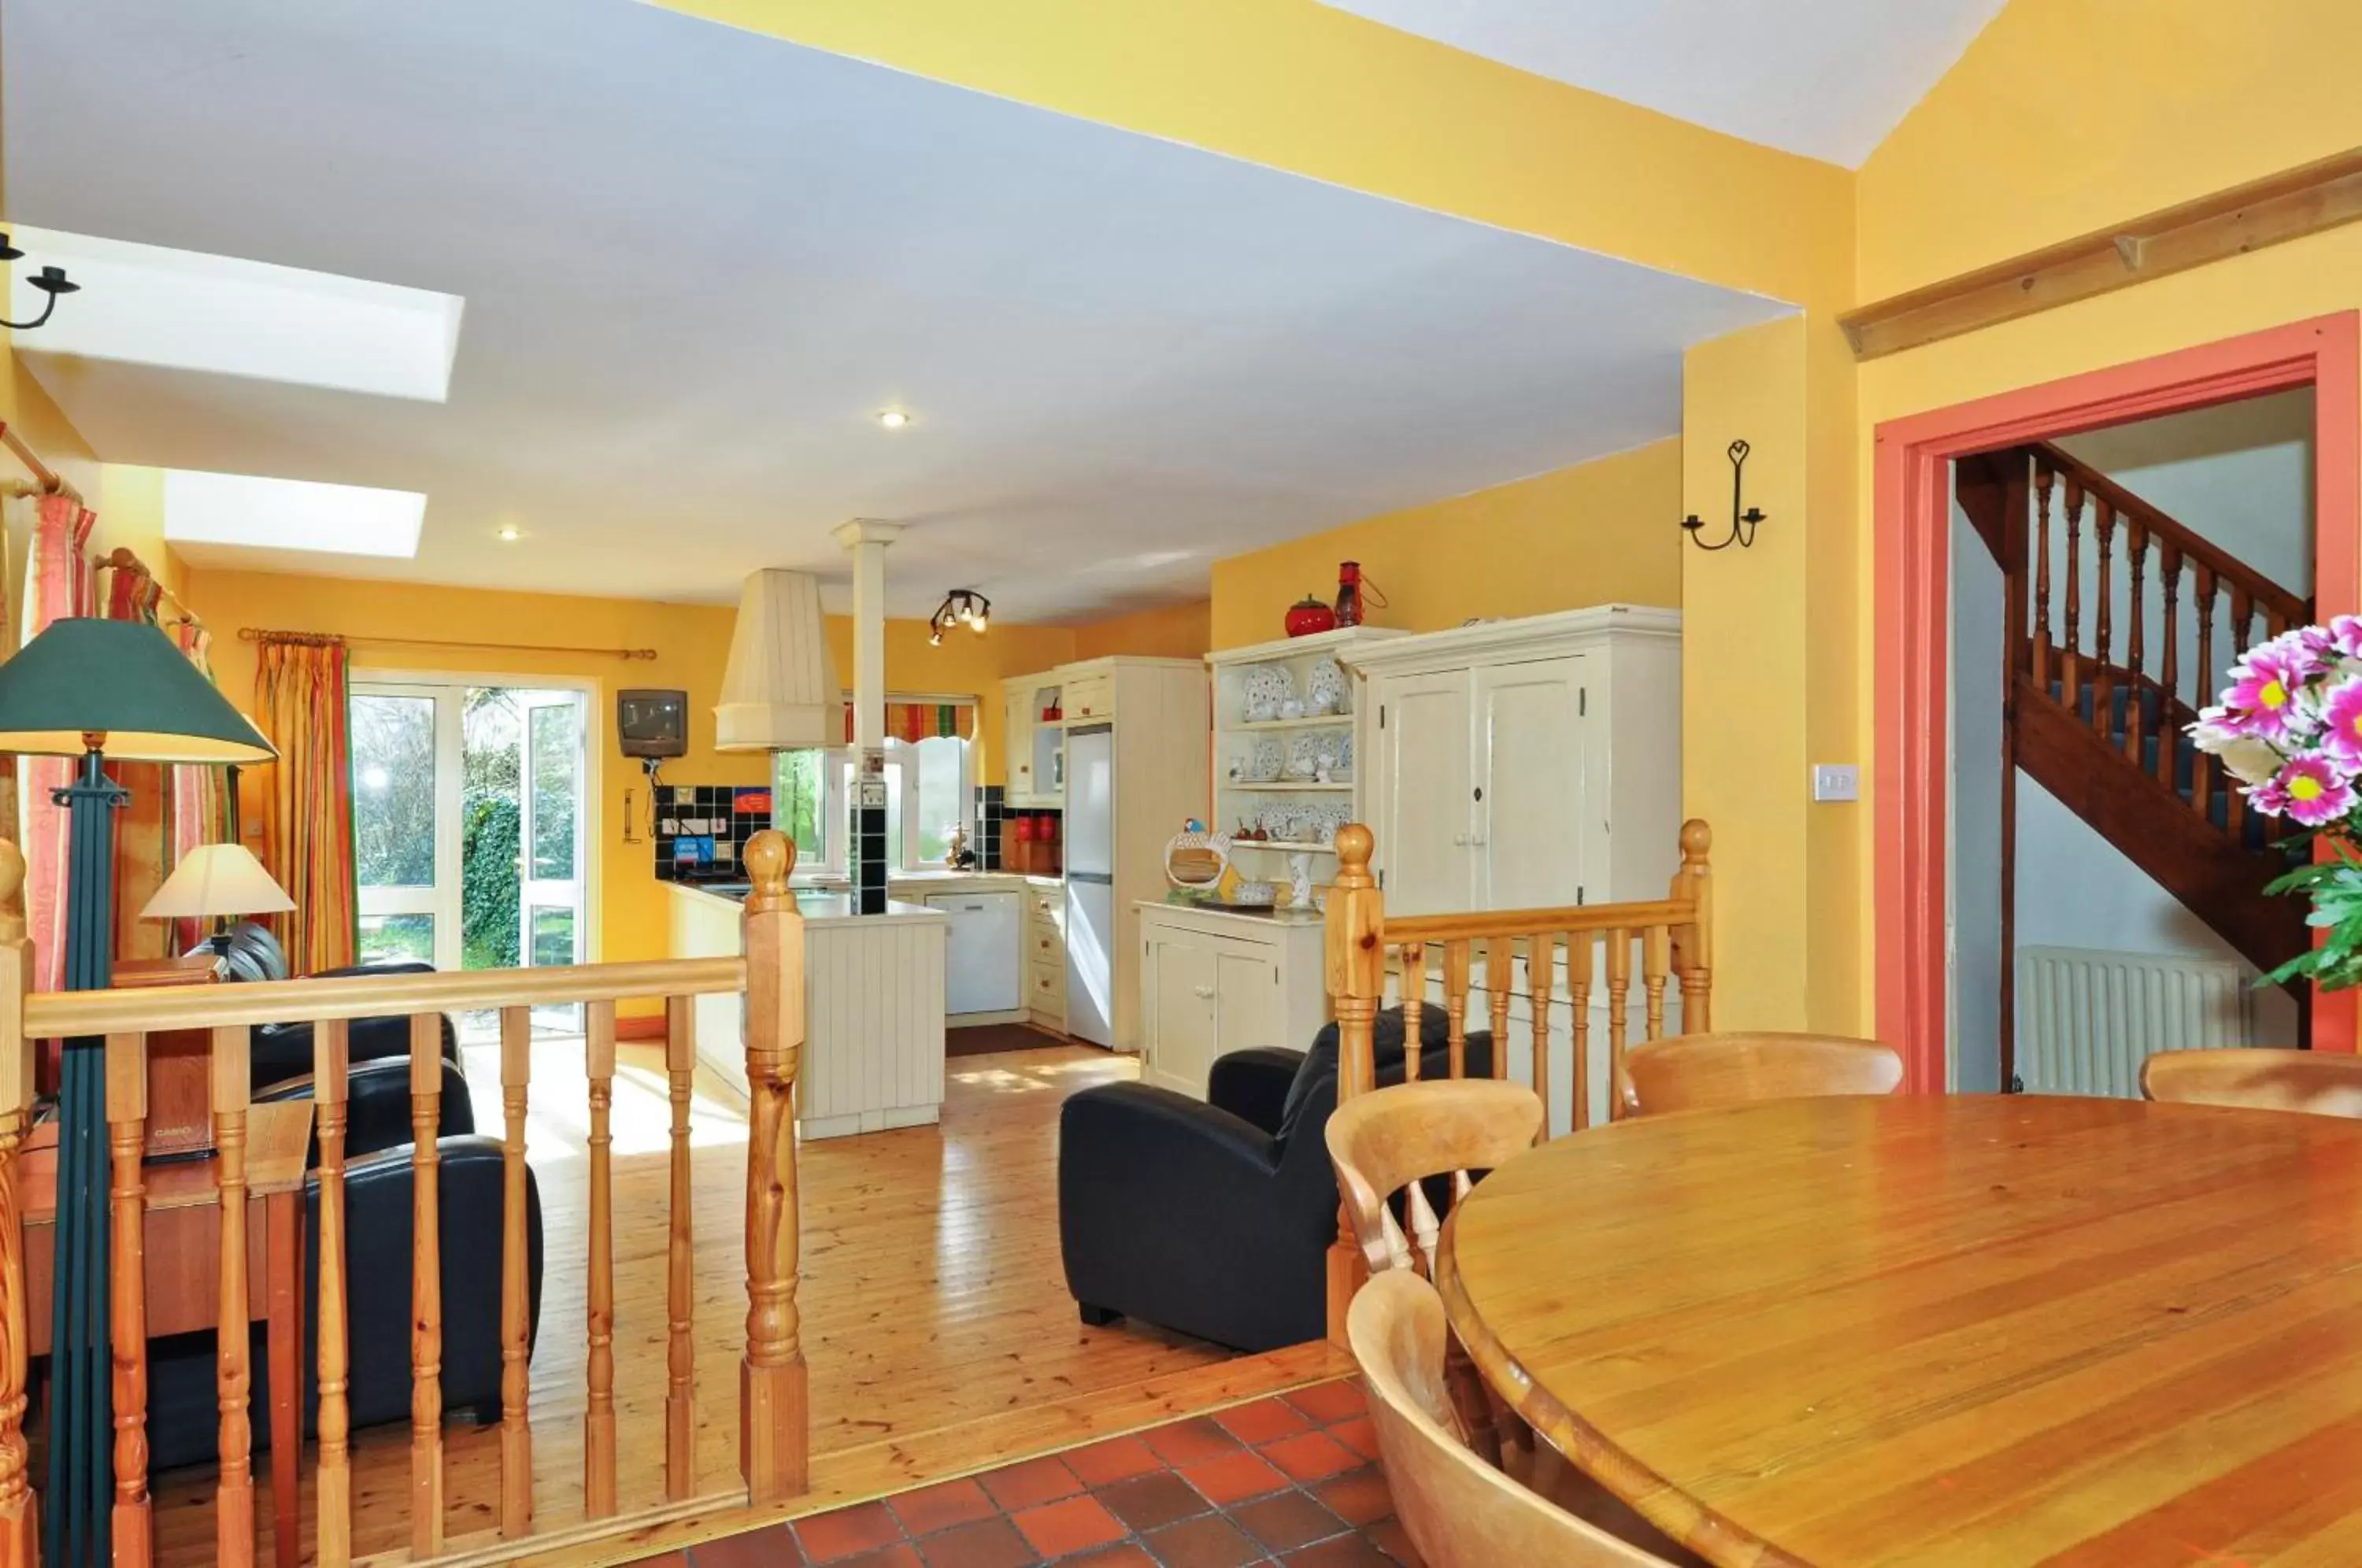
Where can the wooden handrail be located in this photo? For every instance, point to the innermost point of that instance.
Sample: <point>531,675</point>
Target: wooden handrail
<point>71,1014</point>
<point>2192,544</point>
<point>1502,924</point>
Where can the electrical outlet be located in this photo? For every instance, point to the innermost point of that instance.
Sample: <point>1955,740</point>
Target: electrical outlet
<point>1837,781</point>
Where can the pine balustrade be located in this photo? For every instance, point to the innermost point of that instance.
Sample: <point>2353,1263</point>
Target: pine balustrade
<point>1370,956</point>
<point>773,1421</point>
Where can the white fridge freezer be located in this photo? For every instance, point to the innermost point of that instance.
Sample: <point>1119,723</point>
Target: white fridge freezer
<point>1090,884</point>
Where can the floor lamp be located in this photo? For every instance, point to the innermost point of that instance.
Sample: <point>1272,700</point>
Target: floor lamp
<point>94,690</point>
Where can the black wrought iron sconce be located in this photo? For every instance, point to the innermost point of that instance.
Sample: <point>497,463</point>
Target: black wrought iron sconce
<point>961,607</point>
<point>51,280</point>
<point>1742,524</point>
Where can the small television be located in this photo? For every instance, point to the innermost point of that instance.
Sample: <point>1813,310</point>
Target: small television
<point>652,724</point>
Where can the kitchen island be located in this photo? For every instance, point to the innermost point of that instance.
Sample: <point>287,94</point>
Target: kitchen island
<point>873,1007</point>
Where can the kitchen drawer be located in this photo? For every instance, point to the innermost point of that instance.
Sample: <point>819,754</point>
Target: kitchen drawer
<point>1090,697</point>
<point>1045,988</point>
<point>1046,945</point>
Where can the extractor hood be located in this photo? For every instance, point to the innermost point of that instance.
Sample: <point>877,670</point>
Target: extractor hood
<point>780,691</point>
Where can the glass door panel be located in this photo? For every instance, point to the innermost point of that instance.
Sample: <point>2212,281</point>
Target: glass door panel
<point>404,826</point>
<point>550,837</point>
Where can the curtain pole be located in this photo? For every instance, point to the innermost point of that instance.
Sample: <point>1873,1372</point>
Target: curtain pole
<point>322,639</point>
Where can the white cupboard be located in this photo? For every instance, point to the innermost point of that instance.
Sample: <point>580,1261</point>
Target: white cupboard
<point>1212,982</point>
<point>1525,763</point>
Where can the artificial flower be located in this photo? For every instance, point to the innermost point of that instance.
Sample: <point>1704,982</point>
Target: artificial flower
<point>2311,792</point>
<point>2340,725</point>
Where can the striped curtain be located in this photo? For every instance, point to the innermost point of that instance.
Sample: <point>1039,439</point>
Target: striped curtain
<point>143,840</point>
<point>200,795</point>
<point>58,579</point>
<point>303,703</point>
<point>922,721</point>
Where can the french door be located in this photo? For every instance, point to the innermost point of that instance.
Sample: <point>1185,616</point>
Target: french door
<point>407,821</point>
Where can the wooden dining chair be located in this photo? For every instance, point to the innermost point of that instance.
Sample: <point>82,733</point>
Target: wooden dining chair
<point>1459,1511</point>
<point>1694,1072</point>
<point>1394,1140</point>
<point>2325,1083</point>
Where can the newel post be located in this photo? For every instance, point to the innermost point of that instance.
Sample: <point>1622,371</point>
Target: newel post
<point>1356,951</point>
<point>774,1430</point>
<point>20,1539</point>
<point>1693,944</point>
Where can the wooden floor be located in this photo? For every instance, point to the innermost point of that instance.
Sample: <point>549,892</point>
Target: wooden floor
<point>936,1324</point>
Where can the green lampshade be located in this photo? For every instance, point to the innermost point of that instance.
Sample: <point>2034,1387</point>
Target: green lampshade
<point>125,680</point>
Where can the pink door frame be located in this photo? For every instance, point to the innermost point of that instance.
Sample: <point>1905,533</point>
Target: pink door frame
<point>1912,598</point>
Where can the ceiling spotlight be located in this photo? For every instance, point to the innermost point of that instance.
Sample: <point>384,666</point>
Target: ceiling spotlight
<point>51,280</point>
<point>961,606</point>
<point>510,533</point>
<point>893,418</point>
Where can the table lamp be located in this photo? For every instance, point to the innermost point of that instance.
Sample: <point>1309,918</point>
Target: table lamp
<point>215,882</point>
<point>95,689</point>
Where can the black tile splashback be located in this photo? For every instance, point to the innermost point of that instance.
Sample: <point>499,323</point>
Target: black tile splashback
<point>702,829</point>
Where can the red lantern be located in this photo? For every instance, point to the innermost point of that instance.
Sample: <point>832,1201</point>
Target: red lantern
<point>1308,615</point>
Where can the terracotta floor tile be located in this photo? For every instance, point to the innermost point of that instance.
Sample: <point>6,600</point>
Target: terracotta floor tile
<point>1310,1456</point>
<point>1357,1434</point>
<point>1233,1478</point>
<point>1263,1421</point>
<point>1209,1542</point>
<point>828,1537</point>
<point>1393,1540</point>
<point>1112,1460</point>
<point>1187,1442</point>
<point>1343,1551</point>
<point>1147,1502</point>
<point>1358,1496</point>
<point>940,1507</point>
<point>1287,1521</point>
<point>1058,1530</point>
<point>1124,1556</point>
<point>902,1556</point>
<point>1327,1402</point>
<point>988,1543</point>
<point>773,1546</point>
<point>664,1559</point>
<point>1031,1484</point>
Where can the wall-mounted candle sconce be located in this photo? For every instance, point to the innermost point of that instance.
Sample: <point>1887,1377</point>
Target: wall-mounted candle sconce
<point>1742,524</point>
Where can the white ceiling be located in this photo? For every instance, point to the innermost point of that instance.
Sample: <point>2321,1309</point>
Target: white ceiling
<point>695,263</point>
<point>1825,78</point>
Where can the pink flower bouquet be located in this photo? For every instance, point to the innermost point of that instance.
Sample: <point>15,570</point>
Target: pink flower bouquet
<point>2288,727</point>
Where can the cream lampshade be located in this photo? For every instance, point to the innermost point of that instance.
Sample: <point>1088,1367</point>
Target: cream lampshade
<point>215,881</point>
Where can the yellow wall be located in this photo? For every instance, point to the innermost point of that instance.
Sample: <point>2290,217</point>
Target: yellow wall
<point>1592,533</point>
<point>1169,631</point>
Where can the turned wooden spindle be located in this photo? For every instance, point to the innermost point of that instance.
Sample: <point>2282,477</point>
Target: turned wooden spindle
<point>232,1091</point>
<point>1541,954</point>
<point>426,1285</point>
<point>2168,578</point>
<point>1619,987</point>
<point>681,1259</point>
<point>1457,970</point>
<point>333,1486</point>
<point>2042,482</point>
<point>599,1366</point>
<point>2070,643</point>
<point>2136,650</point>
<point>516,1302</point>
<point>1579,944</point>
<point>1656,966</point>
<point>1693,944</point>
<point>1414,1003</point>
<point>2203,589</point>
<point>19,1524</point>
<point>1499,970</point>
<point>2103,675</point>
<point>1354,957</point>
<point>774,1421</point>
<point>127,1134</point>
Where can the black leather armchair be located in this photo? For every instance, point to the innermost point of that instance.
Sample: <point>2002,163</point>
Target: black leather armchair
<point>283,1051</point>
<point>183,1412</point>
<point>1214,1217</point>
<point>377,1106</point>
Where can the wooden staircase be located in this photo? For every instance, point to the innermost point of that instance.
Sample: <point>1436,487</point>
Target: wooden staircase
<point>2122,624</point>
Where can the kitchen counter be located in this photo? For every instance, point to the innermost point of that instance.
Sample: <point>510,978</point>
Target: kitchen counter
<point>873,1006</point>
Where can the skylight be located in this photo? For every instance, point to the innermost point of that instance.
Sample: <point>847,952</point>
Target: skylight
<point>290,514</point>
<point>150,305</point>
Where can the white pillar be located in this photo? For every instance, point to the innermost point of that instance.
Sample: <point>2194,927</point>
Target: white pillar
<point>864,539</point>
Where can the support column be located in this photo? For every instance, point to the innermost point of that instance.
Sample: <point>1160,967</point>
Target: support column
<point>864,539</point>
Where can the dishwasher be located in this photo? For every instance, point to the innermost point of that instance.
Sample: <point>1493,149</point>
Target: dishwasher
<point>981,954</point>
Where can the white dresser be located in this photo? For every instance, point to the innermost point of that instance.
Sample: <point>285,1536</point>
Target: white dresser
<point>1212,982</point>
<point>1525,763</point>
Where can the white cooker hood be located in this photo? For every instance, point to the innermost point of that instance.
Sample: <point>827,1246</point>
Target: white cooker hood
<point>779,692</point>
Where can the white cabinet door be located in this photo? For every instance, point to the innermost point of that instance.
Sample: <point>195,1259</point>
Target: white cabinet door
<point>1423,792</point>
<point>1179,1004</point>
<point>1017,743</point>
<point>1533,815</point>
<point>1246,1001</point>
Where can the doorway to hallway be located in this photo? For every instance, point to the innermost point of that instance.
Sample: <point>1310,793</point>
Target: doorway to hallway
<point>470,846</point>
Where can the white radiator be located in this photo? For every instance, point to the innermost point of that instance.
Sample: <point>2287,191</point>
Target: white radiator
<point>2087,1019</point>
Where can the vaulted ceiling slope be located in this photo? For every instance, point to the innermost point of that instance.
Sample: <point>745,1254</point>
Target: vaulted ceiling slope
<point>1824,78</point>
<point>694,264</point>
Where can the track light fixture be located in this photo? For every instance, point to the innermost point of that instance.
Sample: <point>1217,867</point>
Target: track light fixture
<point>961,607</point>
<point>51,280</point>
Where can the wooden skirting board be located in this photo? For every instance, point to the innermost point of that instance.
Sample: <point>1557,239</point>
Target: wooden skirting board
<point>2269,211</point>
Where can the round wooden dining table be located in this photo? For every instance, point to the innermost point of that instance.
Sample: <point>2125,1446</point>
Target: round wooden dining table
<point>1940,1330</point>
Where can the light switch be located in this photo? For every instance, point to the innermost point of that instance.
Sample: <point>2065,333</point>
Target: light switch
<point>1837,781</point>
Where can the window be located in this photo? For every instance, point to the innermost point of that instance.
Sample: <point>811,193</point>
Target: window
<point>929,791</point>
